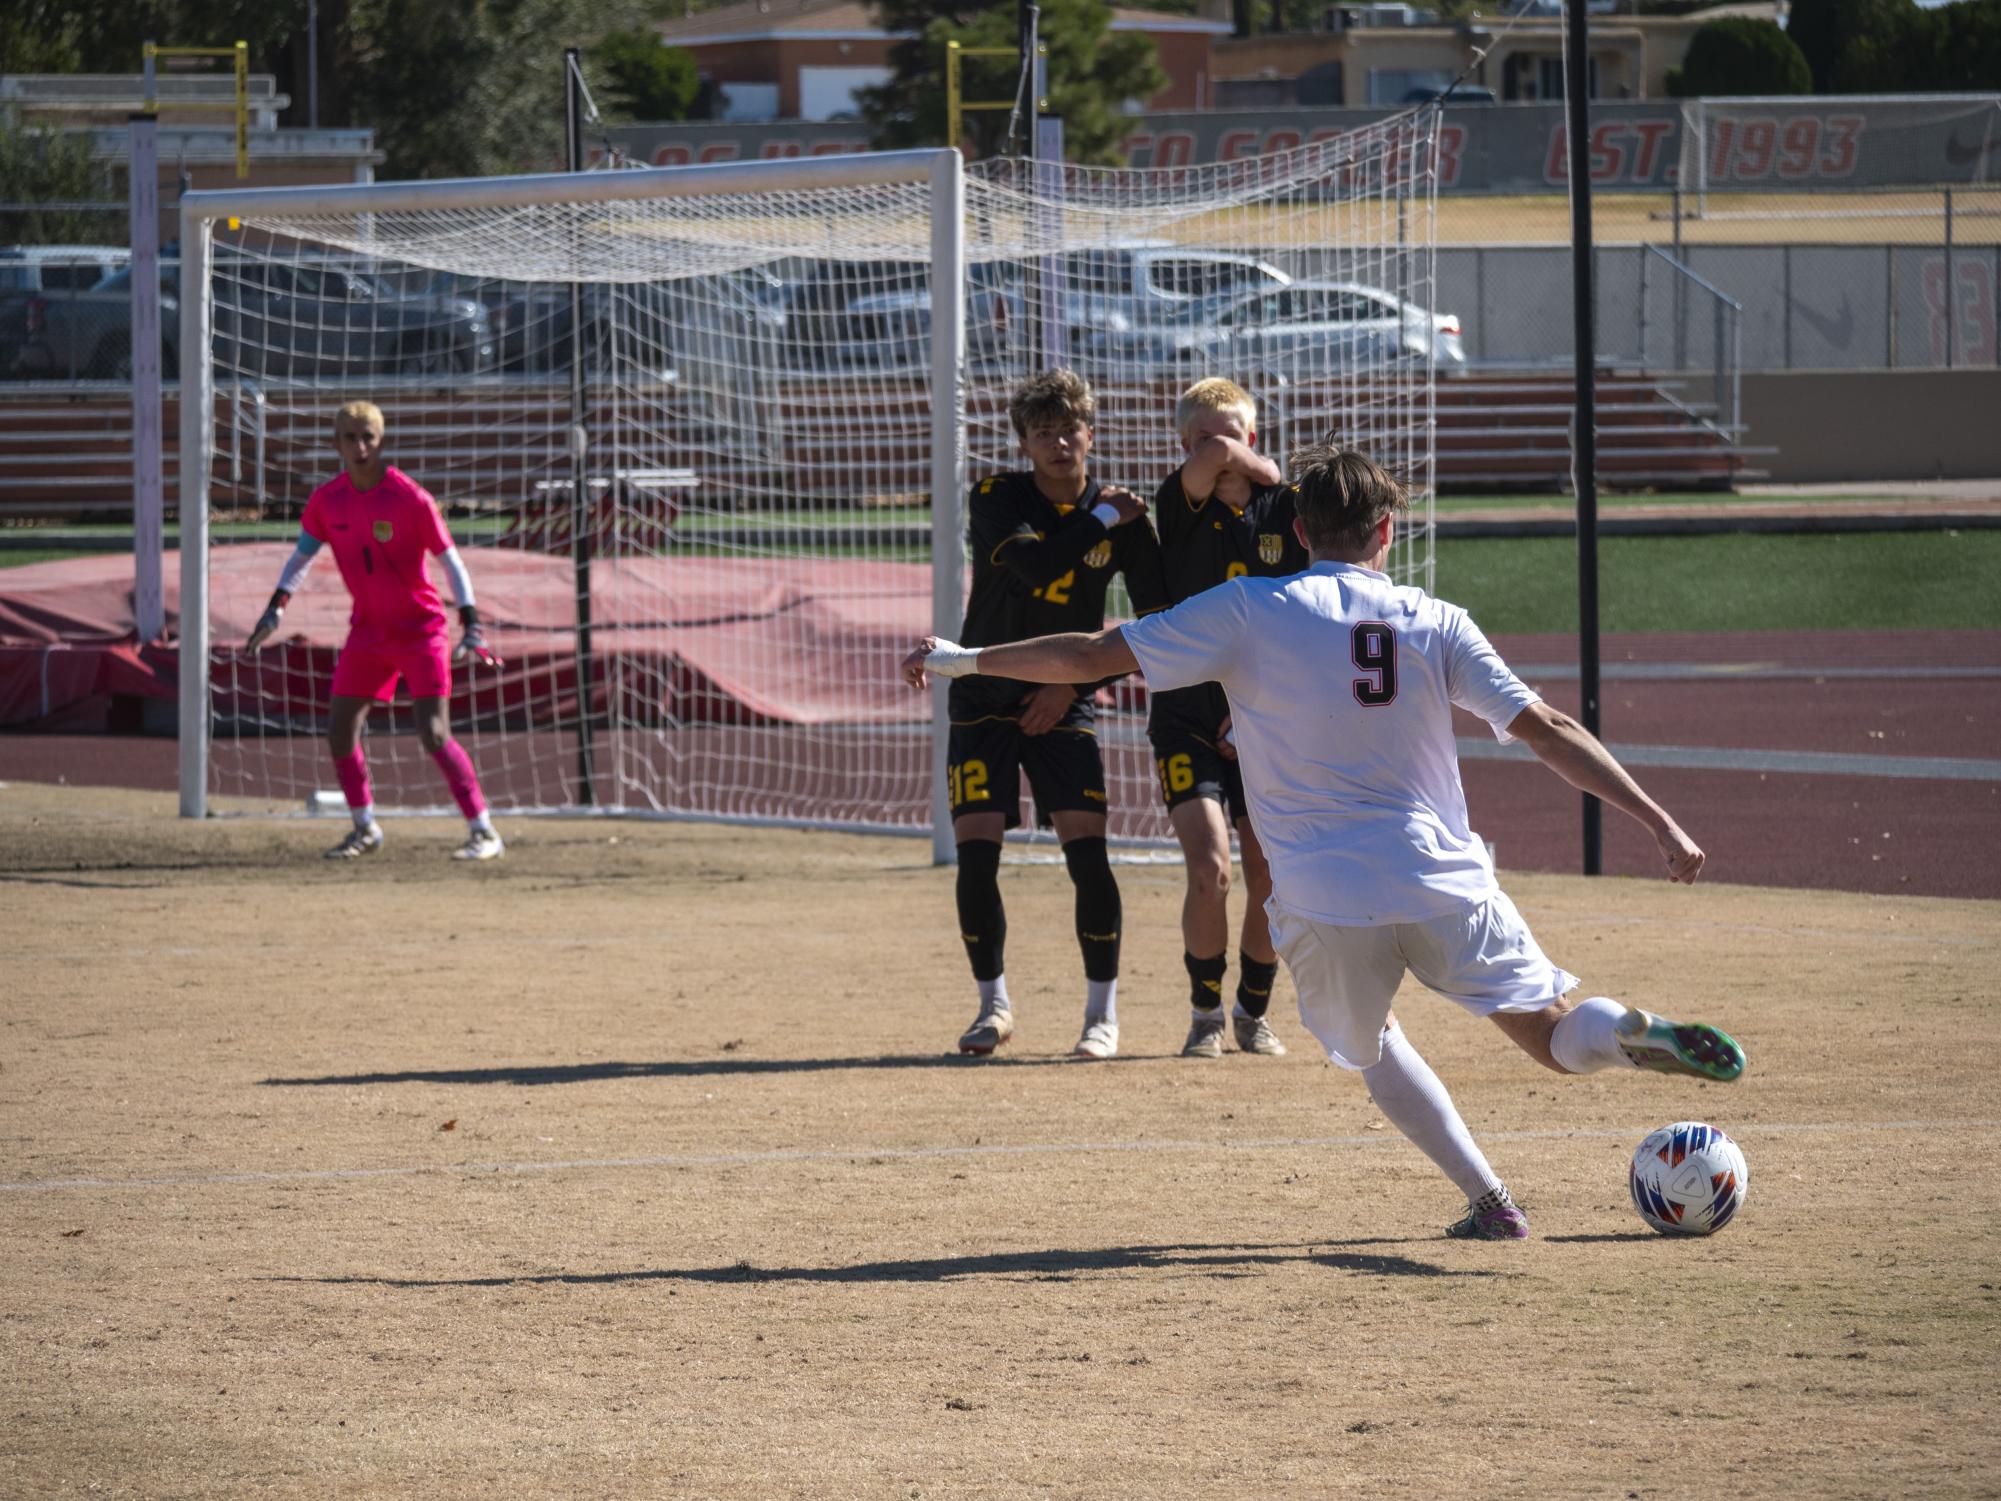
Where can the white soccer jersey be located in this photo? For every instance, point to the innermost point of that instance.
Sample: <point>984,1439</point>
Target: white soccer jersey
<point>1341,684</point>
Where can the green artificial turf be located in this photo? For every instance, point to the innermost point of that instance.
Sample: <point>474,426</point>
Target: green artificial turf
<point>1757,582</point>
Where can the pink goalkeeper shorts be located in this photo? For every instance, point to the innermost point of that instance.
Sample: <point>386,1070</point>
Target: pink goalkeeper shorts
<point>369,669</point>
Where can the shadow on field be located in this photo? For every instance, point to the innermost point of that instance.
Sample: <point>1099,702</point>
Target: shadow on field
<point>1036,1266</point>
<point>1599,1240</point>
<point>693,1068</point>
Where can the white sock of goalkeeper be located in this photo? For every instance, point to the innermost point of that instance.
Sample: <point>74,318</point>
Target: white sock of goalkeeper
<point>1583,1040</point>
<point>1414,1100</point>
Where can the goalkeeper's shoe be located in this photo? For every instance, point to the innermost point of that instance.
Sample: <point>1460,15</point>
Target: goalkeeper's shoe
<point>359,842</point>
<point>1100,1041</point>
<point>1666,1047</point>
<point>481,844</point>
<point>994,1026</point>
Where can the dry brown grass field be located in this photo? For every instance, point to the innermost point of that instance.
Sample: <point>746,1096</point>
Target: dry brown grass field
<point>637,1165</point>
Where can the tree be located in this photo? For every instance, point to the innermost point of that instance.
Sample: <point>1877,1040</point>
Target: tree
<point>1741,55</point>
<point>1827,31</point>
<point>1092,72</point>
<point>47,166</point>
<point>650,80</point>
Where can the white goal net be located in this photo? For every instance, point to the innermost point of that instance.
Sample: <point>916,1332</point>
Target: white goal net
<point>704,446</point>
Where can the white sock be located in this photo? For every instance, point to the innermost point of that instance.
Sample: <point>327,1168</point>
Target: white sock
<point>482,822</point>
<point>1101,1001</point>
<point>993,993</point>
<point>363,816</point>
<point>1583,1040</point>
<point>1415,1101</point>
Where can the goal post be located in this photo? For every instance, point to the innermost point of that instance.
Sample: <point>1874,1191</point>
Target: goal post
<point>937,173</point>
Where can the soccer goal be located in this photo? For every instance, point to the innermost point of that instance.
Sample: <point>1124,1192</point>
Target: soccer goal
<point>703,436</point>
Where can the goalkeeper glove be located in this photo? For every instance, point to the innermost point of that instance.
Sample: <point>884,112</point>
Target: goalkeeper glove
<point>268,621</point>
<point>473,643</point>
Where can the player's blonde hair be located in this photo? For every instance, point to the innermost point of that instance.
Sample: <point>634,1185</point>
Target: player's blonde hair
<point>1341,496</point>
<point>360,411</point>
<point>1215,395</point>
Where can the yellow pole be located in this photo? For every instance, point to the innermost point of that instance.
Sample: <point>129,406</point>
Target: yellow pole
<point>242,109</point>
<point>952,95</point>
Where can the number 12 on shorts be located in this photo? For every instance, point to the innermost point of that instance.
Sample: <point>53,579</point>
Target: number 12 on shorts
<point>1373,647</point>
<point>967,782</point>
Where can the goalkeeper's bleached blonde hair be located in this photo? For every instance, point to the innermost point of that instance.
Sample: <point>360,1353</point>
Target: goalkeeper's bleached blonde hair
<point>360,411</point>
<point>1215,395</point>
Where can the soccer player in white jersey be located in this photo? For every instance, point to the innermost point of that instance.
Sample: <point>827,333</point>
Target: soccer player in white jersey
<point>1341,686</point>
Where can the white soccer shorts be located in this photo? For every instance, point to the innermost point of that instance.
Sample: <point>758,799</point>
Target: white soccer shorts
<point>1483,957</point>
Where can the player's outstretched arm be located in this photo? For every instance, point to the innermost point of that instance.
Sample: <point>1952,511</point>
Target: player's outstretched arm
<point>289,579</point>
<point>1072,658</point>
<point>1576,755</point>
<point>1216,456</point>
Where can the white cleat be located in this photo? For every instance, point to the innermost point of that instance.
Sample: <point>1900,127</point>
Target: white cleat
<point>359,842</point>
<point>1100,1041</point>
<point>481,844</point>
<point>1254,1035</point>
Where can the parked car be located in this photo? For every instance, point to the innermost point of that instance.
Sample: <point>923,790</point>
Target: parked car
<point>663,325</point>
<point>31,278</point>
<point>273,318</point>
<point>877,315</point>
<point>1304,324</point>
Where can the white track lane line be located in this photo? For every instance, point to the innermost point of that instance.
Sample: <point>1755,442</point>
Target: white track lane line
<point>923,1154</point>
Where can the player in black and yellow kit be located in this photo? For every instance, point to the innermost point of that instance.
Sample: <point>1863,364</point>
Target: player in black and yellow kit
<point>1045,544</point>
<point>1224,513</point>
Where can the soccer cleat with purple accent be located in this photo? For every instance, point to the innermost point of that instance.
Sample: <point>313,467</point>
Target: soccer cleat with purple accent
<point>1666,1047</point>
<point>1503,1222</point>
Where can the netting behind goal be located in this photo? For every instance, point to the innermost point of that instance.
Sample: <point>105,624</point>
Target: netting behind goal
<point>688,431</point>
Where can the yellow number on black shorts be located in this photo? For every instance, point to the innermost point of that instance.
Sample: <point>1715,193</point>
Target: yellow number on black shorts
<point>967,782</point>
<point>1177,774</point>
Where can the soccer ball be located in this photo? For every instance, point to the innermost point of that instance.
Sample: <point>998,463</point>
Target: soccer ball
<point>1689,1179</point>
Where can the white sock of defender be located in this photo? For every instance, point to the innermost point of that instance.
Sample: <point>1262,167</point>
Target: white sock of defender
<point>363,816</point>
<point>483,822</point>
<point>1414,1100</point>
<point>1584,1041</point>
<point>993,994</point>
<point>1101,1001</point>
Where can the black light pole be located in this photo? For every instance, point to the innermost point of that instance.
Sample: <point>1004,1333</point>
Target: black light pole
<point>580,497</point>
<point>1577,111</point>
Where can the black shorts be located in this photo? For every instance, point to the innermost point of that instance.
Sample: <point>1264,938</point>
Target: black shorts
<point>1182,730</point>
<point>989,754</point>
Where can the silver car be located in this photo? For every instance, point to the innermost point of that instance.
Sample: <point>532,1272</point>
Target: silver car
<point>1284,328</point>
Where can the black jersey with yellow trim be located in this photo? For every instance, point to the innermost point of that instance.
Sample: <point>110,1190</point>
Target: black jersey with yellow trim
<point>1207,542</point>
<point>1041,568</point>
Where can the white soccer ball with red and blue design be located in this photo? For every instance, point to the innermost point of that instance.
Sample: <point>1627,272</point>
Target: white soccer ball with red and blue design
<point>1689,1179</point>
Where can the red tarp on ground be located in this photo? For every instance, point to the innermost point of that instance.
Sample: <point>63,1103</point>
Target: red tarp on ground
<point>790,640</point>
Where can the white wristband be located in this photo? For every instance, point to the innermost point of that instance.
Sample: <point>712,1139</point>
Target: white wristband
<point>950,660</point>
<point>1106,512</point>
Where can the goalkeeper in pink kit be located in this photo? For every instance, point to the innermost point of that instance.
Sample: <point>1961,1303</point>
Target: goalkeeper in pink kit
<point>383,528</point>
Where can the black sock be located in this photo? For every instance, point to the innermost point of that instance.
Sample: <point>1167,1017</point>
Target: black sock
<point>982,920</point>
<point>1205,980</point>
<point>1255,979</point>
<point>1098,910</point>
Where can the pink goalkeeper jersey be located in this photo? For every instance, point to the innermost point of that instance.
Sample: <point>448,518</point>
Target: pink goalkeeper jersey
<point>382,539</point>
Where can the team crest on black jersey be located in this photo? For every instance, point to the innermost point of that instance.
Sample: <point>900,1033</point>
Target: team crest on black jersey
<point>1100,556</point>
<point>1271,547</point>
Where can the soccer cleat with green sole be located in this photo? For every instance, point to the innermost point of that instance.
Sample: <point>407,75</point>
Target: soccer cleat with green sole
<point>1666,1047</point>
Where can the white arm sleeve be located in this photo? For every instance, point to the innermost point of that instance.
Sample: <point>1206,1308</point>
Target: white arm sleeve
<point>299,564</point>
<point>455,570</point>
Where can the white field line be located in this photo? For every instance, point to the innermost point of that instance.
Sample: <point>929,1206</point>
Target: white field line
<point>923,1154</point>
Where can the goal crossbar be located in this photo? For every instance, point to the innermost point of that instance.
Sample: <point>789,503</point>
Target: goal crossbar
<point>941,171</point>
